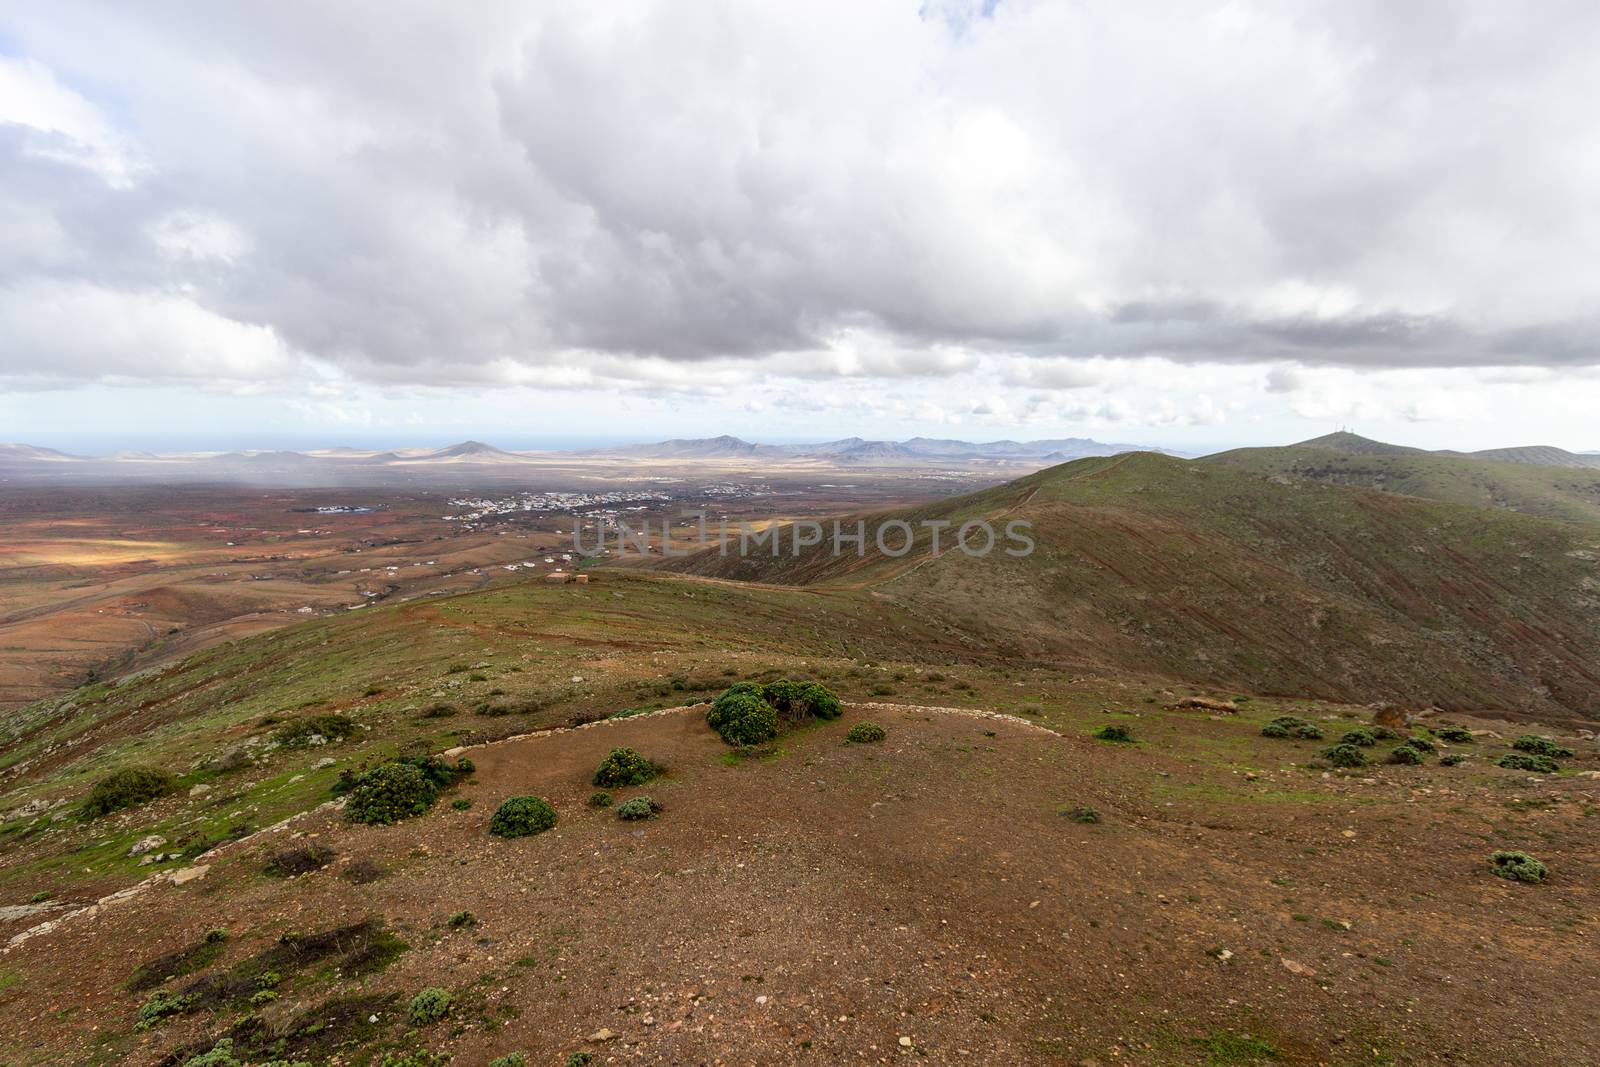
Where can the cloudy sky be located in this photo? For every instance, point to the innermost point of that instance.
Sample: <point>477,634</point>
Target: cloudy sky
<point>1188,224</point>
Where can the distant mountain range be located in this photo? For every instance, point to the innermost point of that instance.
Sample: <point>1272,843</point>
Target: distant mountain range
<point>1341,456</point>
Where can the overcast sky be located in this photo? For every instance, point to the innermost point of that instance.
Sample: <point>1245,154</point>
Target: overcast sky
<point>1181,224</point>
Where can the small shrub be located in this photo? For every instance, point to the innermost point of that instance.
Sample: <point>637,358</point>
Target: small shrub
<point>127,788</point>
<point>624,766</point>
<point>162,1005</point>
<point>1456,735</point>
<point>464,766</point>
<point>1422,744</point>
<point>440,711</point>
<point>637,808</point>
<point>1385,733</point>
<point>461,803</point>
<point>1521,761</point>
<point>1083,815</point>
<point>741,716</point>
<point>522,817</point>
<point>1292,726</point>
<point>1359,736</point>
<point>428,1006</point>
<point>1540,746</point>
<point>599,799</point>
<point>263,996</point>
<point>299,732</point>
<point>1113,732</point>
<point>510,1059</point>
<point>220,1055</point>
<point>579,1059</point>
<point>1406,755</point>
<point>293,862</point>
<point>1517,866</point>
<point>1345,754</point>
<point>462,920</point>
<point>1452,759</point>
<point>866,733</point>
<point>389,793</point>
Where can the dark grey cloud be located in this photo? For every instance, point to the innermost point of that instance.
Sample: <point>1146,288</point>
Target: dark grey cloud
<point>406,193</point>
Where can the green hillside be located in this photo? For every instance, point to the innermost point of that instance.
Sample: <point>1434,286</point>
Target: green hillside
<point>1560,492</point>
<point>1205,571</point>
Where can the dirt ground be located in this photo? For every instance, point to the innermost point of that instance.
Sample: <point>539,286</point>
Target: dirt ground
<point>922,898</point>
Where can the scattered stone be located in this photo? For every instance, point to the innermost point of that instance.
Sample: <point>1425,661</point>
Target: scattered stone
<point>145,844</point>
<point>1296,967</point>
<point>601,1036</point>
<point>185,875</point>
<point>199,790</point>
<point>905,1042</point>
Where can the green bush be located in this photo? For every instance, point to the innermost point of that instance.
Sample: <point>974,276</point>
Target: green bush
<point>1422,744</point>
<point>624,766</point>
<point>461,803</point>
<point>125,789</point>
<point>1519,761</point>
<point>579,1059</point>
<point>299,732</point>
<point>1406,755</point>
<point>742,716</point>
<point>797,701</point>
<point>1452,759</point>
<point>161,1005</point>
<point>1345,754</point>
<point>522,817</point>
<point>1084,815</point>
<point>600,799</point>
<point>1359,736</point>
<point>428,1006</point>
<point>866,733</point>
<point>510,1059</point>
<point>1112,732</point>
<point>1292,726</point>
<point>1385,733</point>
<point>637,808</point>
<point>1517,866</point>
<point>462,920</point>
<point>1456,735</point>
<point>388,793</point>
<point>1540,746</point>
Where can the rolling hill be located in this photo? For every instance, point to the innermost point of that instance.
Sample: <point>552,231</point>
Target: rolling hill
<point>1480,479</point>
<point>1208,572</point>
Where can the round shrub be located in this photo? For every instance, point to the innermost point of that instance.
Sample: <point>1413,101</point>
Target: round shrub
<point>743,717</point>
<point>522,817</point>
<point>1083,815</point>
<point>1517,866</point>
<point>1385,733</point>
<point>1360,737</point>
<point>866,733</point>
<point>1406,756</point>
<point>1455,735</point>
<point>1112,732</point>
<point>1521,761</point>
<point>126,788</point>
<point>1345,754</point>
<point>1452,759</point>
<point>599,799</point>
<point>428,1006</point>
<point>388,793</point>
<point>1292,726</point>
<point>1422,744</point>
<point>624,766</point>
<point>637,808</point>
<point>1540,746</point>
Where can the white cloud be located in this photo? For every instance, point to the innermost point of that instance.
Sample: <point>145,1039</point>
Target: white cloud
<point>62,125</point>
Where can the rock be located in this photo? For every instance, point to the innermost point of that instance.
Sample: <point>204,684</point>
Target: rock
<point>905,1042</point>
<point>601,1035</point>
<point>199,790</point>
<point>325,761</point>
<point>1226,707</point>
<point>1296,967</point>
<point>145,844</point>
<point>190,874</point>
